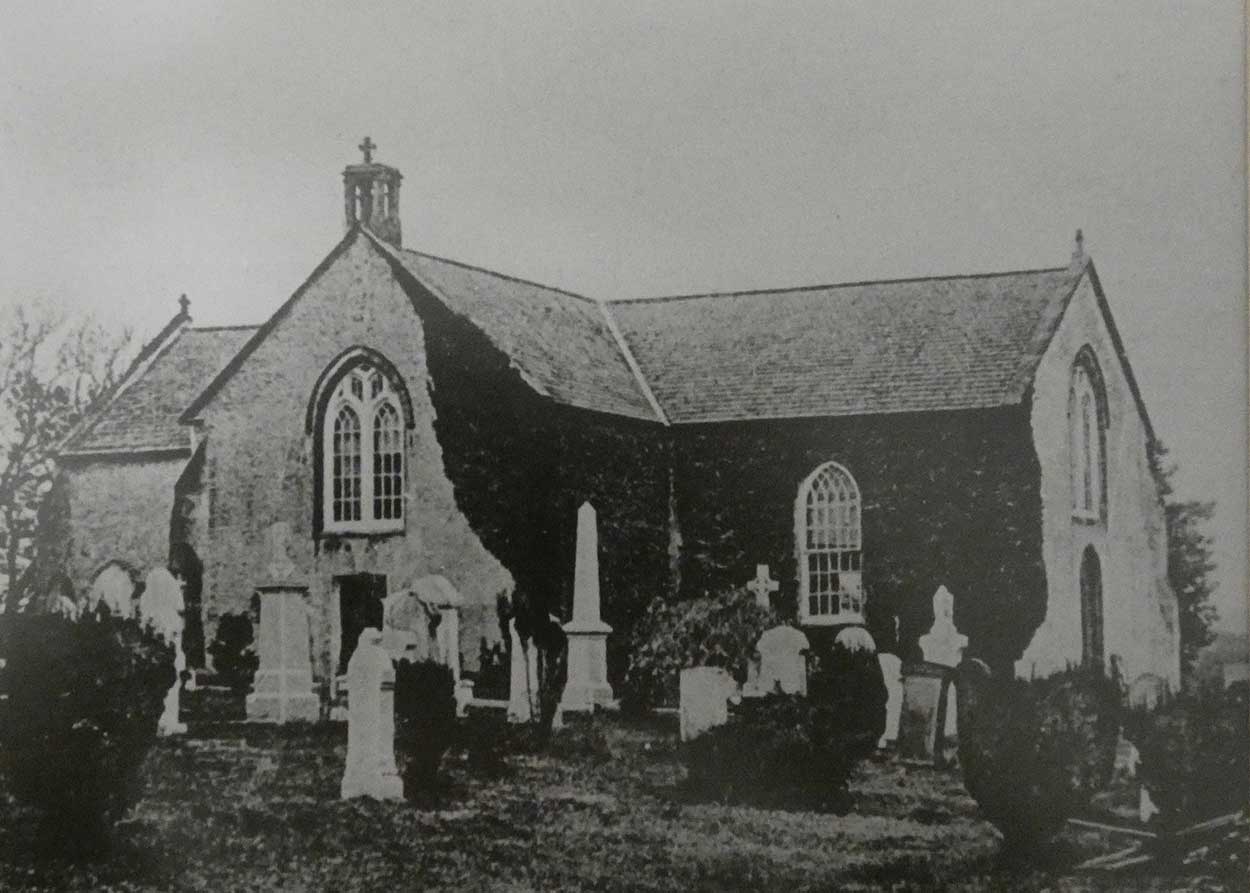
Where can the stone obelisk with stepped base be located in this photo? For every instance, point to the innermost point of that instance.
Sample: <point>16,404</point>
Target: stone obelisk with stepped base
<point>587,685</point>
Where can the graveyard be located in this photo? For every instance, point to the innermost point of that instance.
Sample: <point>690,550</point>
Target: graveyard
<point>557,786</point>
<point>234,806</point>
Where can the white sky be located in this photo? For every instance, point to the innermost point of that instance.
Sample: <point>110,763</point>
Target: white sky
<point>147,149</point>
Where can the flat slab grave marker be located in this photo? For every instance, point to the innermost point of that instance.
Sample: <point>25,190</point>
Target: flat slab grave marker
<point>704,697</point>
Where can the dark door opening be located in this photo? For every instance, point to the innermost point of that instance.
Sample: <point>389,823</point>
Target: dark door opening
<point>1091,608</point>
<point>360,607</point>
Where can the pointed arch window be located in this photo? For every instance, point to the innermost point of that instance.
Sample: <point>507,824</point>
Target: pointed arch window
<point>830,547</point>
<point>363,451</point>
<point>1087,422</point>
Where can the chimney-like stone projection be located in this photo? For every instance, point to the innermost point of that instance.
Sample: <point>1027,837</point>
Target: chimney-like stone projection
<point>371,196</point>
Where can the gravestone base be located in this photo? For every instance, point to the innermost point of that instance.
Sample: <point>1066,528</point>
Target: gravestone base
<point>281,696</point>
<point>282,689</point>
<point>587,686</point>
<point>923,704</point>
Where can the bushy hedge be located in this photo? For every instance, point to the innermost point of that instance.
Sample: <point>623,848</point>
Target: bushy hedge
<point>776,751</point>
<point>1034,752</point>
<point>717,631</point>
<point>233,651</point>
<point>795,751</point>
<point>1195,755</point>
<point>425,723</point>
<point>84,700</point>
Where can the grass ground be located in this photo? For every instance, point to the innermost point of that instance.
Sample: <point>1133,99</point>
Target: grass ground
<point>233,807</point>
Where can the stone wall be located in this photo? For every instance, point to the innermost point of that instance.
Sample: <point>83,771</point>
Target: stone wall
<point>948,498</point>
<point>259,462</point>
<point>1139,608</point>
<point>114,509</point>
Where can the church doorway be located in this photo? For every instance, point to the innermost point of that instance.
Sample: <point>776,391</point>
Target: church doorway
<point>1091,608</point>
<point>360,607</point>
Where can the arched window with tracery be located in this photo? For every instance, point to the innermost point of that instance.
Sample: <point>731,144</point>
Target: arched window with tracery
<point>1087,423</point>
<point>830,547</point>
<point>363,454</point>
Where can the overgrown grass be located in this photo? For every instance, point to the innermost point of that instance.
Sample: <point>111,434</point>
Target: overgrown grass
<point>239,807</point>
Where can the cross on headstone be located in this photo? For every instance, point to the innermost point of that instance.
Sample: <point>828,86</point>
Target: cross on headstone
<point>763,585</point>
<point>367,148</point>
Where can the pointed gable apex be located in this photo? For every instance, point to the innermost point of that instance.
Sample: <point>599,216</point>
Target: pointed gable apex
<point>205,397</point>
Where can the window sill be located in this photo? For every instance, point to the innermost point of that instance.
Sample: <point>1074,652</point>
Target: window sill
<point>843,619</point>
<point>1081,517</point>
<point>374,528</point>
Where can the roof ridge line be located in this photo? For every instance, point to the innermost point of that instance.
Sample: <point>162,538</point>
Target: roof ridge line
<point>828,286</point>
<point>631,361</point>
<point>497,274</point>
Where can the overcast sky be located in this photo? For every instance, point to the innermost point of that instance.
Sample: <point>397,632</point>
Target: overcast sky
<point>654,147</point>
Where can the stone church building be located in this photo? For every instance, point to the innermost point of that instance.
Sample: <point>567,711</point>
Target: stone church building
<point>403,415</point>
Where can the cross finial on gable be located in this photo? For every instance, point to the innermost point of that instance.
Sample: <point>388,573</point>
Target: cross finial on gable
<point>184,303</point>
<point>367,148</point>
<point>1078,252</point>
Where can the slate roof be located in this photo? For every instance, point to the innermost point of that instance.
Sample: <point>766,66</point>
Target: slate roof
<point>875,347</point>
<point>559,340</point>
<point>143,414</point>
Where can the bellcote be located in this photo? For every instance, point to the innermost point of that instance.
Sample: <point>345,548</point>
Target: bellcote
<point>371,196</point>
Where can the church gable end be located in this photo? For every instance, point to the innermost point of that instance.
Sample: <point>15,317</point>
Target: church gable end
<point>265,465</point>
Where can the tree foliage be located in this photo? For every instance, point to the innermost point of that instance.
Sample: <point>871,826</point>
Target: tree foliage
<point>52,371</point>
<point>1190,562</point>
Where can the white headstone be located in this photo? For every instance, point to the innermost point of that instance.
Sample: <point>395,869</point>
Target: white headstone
<point>115,589</point>
<point>1148,691</point>
<point>943,644</point>
<point>371,769</point>
<point>161,607</point>
<point>523,692</point>
<point>763,586</point>
<point>782,663</point>
<point>704,697</point>
<point>406,622</point>
<point>856,638</point>
<point>892,673</point>
<point>283,688</point>
<point>587,684</point>
<point>444,601</point>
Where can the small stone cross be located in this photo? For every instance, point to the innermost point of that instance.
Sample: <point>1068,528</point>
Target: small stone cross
<point>367,148</point>
<point>763,585</point>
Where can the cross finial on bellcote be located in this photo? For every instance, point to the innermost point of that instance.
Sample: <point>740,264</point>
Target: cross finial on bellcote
<point>367,148</point>
<point>185,304</point>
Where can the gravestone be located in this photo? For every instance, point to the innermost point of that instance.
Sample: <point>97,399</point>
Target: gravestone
<point>115,589</point>
<point>1148,691</point>
<point>856,638</point>
<point>279,568</point>
<point>282,690</point>
<point>943,644</point>
<point>763,586</point>
<point>781,664</point>
<point>704,698</point>
<point>161,607</point>
<point>926,692</point>
<point>371,769</point>
<point>406,622</point>
<point>523,690</point>
<point>586,686</point>
<point>892,674</point>
<point>443,601</point>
